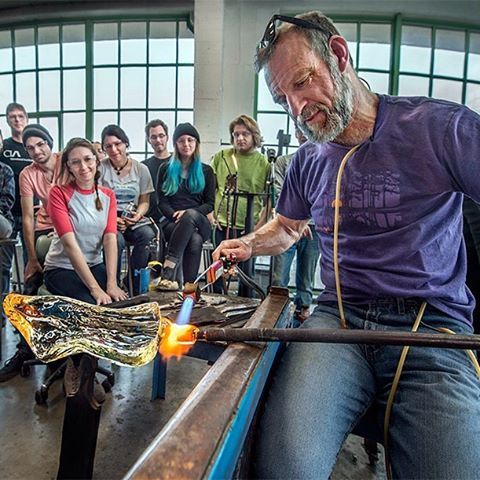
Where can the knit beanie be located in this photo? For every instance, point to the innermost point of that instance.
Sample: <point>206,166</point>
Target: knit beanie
<point>37,130</point>
<point>185,129</point>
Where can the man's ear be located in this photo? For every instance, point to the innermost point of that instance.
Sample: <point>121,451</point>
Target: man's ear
<point>339,47</point>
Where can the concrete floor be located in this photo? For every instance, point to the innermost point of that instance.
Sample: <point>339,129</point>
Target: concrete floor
<point>30,434</point>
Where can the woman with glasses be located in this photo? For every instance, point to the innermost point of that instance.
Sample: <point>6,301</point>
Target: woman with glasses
<point>132,184</point>
<point>186,195</point>
<point>84,216</point>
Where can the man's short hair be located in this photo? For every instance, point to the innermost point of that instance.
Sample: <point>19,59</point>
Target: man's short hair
<point>251,125</point>
<point>15,106</point>
<point>155,123</point>
<point>318,39</point>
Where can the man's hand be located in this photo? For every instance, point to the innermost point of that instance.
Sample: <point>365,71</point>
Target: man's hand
<point>121,225</point>
<point>130,222</point>
<point>237,246</point>
<point>307,233</point>
<point>32,267</point>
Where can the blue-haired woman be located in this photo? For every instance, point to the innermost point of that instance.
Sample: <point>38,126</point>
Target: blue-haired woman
<point>186,195</point>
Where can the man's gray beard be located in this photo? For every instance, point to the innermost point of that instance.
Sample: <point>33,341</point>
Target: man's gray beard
<point>337,118</point>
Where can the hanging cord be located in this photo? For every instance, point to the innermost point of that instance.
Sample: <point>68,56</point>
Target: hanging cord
<point>403,355</point>
<point>393,391</point>
<point>336,221</point>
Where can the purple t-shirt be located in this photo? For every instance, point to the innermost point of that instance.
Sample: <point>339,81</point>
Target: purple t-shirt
<point>401,223</point>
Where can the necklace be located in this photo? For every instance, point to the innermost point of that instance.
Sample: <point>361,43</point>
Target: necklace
<point>118,169</point>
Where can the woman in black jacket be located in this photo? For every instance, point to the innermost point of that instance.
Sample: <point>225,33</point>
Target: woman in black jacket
<point>186,195</point>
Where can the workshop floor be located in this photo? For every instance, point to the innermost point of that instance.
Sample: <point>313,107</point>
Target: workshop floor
<point>30,434</point>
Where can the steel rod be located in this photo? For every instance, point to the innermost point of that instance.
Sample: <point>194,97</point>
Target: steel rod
<point>332,335</point>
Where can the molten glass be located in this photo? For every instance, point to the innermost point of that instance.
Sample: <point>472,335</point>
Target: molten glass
<point>56,327</point>
<point>177,340</point>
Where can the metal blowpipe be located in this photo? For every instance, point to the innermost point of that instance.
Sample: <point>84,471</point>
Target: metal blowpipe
<point>332,335</point>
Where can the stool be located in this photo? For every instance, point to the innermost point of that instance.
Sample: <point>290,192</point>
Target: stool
<point>4,243</point>
<point>207,250</point>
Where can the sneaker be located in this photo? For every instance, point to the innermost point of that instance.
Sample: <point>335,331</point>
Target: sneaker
<point>71,380</point>
<point>302,314</point>
<point>13,366</point>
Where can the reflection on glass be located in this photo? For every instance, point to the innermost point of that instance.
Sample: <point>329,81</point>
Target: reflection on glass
<point>163,46</point>
<point>186,44</point>
<point>378,81</point>
<point>264,97</point>
<point>134,51</point>
<point>186,116</point>
<point>105,88</point>
<point>270,124</point>
<point>473,72</point>
<point>415,59</point>
<point>25,58</point>
<point>472,99</point>
<point>162,50</point>
<point>416,48</point>
<point>74,89</point>
<point>133,87</point>
<point>49,56</point>
<point>101,120</point>
<point>375,46</point>
<point>185,87</point>
<point>412,85</point>
<point>161,87</point>
<point>49,90</point>
<point>449,53</point>
<point>48,47</point>
<point>105,52</point>
<point>6,92</point>
<point>73,126</point>
<point>447,90</point>
<point>6,56</point>
<point>186,50</point>
<point>73,54</point>
<point>133,123</point>
<point>26,90</point>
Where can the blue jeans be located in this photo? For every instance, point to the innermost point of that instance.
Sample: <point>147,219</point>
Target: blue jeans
<point>320,391</point>
<point>307,258</point>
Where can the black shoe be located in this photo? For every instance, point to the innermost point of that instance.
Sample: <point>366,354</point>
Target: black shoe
<point>13,366</point>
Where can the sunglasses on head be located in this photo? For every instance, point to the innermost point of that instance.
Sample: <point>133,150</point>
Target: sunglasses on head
<point>270,34</point>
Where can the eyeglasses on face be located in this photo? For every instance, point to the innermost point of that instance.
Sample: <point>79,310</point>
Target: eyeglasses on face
<point>110,146</point>
<point>77,162</point>
<point>31,148</point>
<point>160,136</point>
<point>270,34</point>
<point>242,133</point>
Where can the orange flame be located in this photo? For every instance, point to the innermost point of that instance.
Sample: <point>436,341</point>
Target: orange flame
<point>177,340</point>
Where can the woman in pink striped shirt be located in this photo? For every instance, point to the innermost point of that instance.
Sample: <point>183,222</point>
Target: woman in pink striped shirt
<point>84,215</point>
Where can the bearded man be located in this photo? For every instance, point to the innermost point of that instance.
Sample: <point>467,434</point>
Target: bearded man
<point>383,179</point>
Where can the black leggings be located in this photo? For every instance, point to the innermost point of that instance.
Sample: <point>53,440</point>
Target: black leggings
<point>185,240</point>
<point>61,281</point>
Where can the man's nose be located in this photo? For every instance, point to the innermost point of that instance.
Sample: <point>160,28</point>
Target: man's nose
<point>296,104</point>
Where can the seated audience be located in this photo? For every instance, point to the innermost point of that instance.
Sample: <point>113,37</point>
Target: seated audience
<point>186,190</point>
<point>85,218</point>
<point>132,184</point>
<point>35,182</point>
